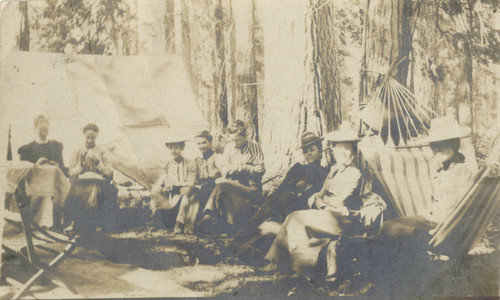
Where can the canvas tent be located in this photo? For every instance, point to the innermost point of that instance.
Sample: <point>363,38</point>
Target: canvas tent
<point>137,101</point>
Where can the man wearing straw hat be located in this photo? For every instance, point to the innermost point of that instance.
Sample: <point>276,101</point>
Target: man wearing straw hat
<point>236,194</point>
<point>170,194</point>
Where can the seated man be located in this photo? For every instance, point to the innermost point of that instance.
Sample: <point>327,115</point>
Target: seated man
<point>90,172</point>
<point>336,210</point>
<point>301,182</point>
<point>170,194</point>
<point>206,173</point>
<point>41,151</point>
<point>237,193</point>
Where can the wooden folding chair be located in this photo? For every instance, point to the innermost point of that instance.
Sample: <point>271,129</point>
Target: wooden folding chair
<point>36,239</point>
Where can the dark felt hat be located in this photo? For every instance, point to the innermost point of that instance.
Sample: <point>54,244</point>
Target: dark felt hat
<point>308,138</point>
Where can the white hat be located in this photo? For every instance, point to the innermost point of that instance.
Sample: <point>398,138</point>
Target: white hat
<point>443,129</point>
<point>344,134</point>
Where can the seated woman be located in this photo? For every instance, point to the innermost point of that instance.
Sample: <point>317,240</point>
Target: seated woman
<point>451,179</point>
<point>335,211</point>
<point>90,172</point>
<point>237,193</point>
<point>300,183</point>
<point>170,195</point>
<point>40,151</point>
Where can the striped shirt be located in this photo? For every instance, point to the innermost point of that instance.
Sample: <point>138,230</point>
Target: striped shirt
<point>249,157</point>
<point>179,173</point>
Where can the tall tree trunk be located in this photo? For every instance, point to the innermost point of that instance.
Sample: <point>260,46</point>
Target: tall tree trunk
<point>327,80</point>
<point>288,96</point>
<point>387,41</point>
<point>245,102</point>
<point>24,32</point>
<point>170,28</point>
<point>220,105</point>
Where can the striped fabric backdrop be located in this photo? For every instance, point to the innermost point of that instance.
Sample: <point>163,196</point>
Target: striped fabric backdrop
<point>405,173</point>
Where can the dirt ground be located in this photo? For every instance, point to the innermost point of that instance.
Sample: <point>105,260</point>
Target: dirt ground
<point>141,263</point>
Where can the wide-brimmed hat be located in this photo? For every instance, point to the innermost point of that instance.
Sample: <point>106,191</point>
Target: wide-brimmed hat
<point>443,129</point>
<point>344,134</point>
<point>175,139</point>
<point>308,138</point>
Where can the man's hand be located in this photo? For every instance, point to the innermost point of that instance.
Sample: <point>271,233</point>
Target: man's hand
<point>237,169</point>
<point>166,188</point>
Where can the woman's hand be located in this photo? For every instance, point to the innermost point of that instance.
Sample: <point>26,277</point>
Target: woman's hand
<point>92,155</point>
<point>41,160</point>
<point>312,199</point>
<point>369,214</point>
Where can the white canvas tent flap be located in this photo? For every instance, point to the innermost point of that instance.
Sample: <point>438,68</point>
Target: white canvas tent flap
<point>136,101</point>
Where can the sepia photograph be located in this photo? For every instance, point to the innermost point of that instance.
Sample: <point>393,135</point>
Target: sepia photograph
<point>249,148</point>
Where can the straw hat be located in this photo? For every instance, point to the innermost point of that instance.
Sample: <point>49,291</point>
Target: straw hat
<point>308,138</point>
<point>443,129</point>
<point>175,139</point>
<point>344,134</point>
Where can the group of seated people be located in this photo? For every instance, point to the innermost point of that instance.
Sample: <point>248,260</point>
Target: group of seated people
<point>222,193</point>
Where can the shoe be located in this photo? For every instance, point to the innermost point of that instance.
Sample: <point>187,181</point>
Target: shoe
<point>179,228</point>
<point>206,218</point>
<point>70,229</point>
<point>267,269</point>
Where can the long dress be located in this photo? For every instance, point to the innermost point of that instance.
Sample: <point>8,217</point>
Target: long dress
<point>403,243</point>
<point>305,234</point>
<point>52,151</point>
<point>91,202</point>
<point>449,185</point>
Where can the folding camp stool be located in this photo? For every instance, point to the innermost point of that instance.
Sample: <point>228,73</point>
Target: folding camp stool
<point>35,238</point>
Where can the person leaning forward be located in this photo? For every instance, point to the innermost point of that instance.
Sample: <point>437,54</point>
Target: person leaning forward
<point>170,194</point>
<point>237,193</point>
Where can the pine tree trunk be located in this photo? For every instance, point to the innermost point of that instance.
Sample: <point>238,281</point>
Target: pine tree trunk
<point>327,80</point>
<point>245,102</point>
<point>288,94</point>
<point>220,104</point>
<point>24,32</point>
<point>169,22</point>
<point>387,41</point>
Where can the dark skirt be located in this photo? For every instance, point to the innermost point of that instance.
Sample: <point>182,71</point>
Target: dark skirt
<point>91,205</point>
<point>233,202</point>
